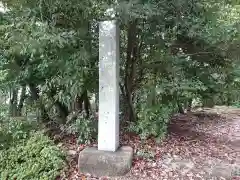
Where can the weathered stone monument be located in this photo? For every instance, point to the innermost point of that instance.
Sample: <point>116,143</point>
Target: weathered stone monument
<point>108,159</point>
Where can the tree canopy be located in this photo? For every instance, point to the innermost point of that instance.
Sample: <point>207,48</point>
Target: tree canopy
<point>172,53</point>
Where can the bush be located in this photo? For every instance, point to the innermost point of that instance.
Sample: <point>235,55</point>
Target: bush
<point>85,128</point>
<point>14,130</point>
<point>236,104</point>
<point>153,121</point>
<point>27,153</point>
<point>4,111</point>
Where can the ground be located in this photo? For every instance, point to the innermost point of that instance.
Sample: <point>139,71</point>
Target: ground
<point>200,145</point>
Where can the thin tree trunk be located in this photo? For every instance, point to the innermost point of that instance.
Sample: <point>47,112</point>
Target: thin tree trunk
<point>180,108</point>
<point>79,103</point>
<point>13,102</point>
<point>21,101</point>
<point>87,105</point>
<point>189,107</point>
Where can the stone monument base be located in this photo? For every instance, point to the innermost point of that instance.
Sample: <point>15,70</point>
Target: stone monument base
<point>104,163</point>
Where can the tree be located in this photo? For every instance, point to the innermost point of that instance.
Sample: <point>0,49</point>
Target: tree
<point>171,53</point>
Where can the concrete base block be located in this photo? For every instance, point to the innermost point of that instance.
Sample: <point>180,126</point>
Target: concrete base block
<point>103,163</point>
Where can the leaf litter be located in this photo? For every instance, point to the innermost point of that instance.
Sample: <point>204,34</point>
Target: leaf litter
<point>200,145</point>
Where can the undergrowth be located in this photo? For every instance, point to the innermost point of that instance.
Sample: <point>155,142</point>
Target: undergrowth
<point>27,153</point>
<point>153,121</point>
<point>85,128</point>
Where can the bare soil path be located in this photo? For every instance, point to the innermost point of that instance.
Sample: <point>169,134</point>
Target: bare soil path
<point>200,145</point>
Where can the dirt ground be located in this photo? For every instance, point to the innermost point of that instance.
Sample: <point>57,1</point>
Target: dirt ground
<point>204,144</point>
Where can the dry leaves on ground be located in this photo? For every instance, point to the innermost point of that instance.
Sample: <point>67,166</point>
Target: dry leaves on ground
<point>200,145</point>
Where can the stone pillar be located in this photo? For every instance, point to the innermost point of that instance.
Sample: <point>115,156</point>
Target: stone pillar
<point>108,123</point>
<point>108,159</point>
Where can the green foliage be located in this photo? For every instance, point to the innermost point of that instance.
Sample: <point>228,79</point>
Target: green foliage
<point>153,121</point>
<point>236,104</point>
<point>236,172</point>
<point>4,108</point>
<point>84,127</point>
<point>28,154</point>
<point>172,51</point>
<point>14,130</point>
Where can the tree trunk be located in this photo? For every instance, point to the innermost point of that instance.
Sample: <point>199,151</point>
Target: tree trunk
<point>62,111</point>
<point>180,108</point>
<point>35,96</point>
<point>130,69</point>
<point>87,105</point>
<point>13,102</point>
<point>21,101</point>
<point>189,106</point>
<point>78,103</point>
<point>34,92</point>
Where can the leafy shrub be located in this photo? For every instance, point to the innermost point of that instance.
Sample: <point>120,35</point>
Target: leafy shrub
<point>85,128</point>
<point>236,104</point>
<point>153,121</point>
<point>14,130</point>
<point>4,110</point>
<point>27,153</point>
